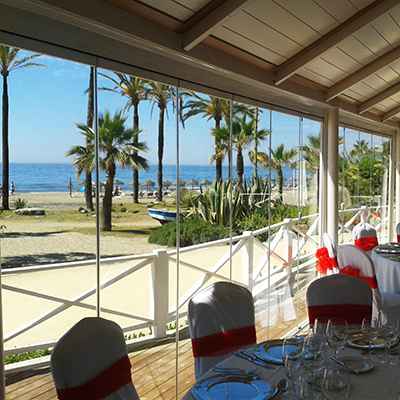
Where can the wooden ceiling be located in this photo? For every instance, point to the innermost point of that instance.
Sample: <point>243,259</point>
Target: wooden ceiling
<point>350,48</point>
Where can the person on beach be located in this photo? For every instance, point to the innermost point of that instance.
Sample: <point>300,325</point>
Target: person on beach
<point>70,187</point>
<point>13,188</point>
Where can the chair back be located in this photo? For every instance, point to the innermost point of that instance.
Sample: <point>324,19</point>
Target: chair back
<point>339,298</point>
<point>398,232</point>
<point>90,362</point>
<point>365,236</point>
<point>221,320</point>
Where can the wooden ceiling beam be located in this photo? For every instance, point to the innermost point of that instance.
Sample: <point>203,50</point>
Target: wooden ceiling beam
<point>391,113</point>
<point>381,96</point>
<point>332,38</point>
<point>364,72</point>
<point>203,28</point>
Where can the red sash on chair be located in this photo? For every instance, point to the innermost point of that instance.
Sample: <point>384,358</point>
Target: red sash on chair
<point>353,314</point>
<point>398,238</point>
<point>366,243</point>
<point>224,342</point>
<point>324,261</point>
<point>102,385</point>
<point>356,273</point>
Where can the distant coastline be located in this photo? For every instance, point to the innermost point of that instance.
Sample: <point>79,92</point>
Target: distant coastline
<point>54,177</point>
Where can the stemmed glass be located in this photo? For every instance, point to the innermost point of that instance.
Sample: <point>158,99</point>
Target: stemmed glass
<point>336,384</point>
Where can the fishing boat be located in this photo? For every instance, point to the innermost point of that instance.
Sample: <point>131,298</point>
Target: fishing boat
<point>162,216</point>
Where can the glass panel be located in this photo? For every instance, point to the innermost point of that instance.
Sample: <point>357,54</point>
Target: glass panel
<point>364,181</point>
<point>137,131</point>
<point>49,245</point>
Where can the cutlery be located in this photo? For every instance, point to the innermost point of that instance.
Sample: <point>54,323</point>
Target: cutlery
<point>255,359</point>
<point>281,387</point>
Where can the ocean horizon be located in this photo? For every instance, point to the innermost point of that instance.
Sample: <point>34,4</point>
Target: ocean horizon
<point>54,177</point>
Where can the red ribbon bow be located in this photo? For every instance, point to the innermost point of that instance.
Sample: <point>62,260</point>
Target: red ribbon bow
<point>324,261</point>
<point>366,243</point>
<point>356,273</point>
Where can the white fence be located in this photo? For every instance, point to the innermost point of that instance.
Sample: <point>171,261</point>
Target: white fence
<point>139,292</point>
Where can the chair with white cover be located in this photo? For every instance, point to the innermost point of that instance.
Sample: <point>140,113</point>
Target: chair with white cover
<point>355,262</point>
<point>398,232</point>
<point>326,256</point>
<point>365,236</point>
<point>339,298</point>
<point>221,321</point>
<point>90,362</point>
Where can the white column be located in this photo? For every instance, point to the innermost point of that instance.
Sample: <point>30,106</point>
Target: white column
<point>322,184</point>
<point>396,139</point>
<point>160,280</point>
<point>392,188</point>
<point>332,126</point>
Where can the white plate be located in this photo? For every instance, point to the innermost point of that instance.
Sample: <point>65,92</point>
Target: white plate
<point>357,364</point>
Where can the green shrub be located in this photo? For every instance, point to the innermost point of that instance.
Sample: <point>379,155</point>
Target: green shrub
<point>20,203</point>
<point>29,355</point>
<point>254,221</point>
<point>193,230</point>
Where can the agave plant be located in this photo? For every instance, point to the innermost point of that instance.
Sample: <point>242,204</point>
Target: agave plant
<point>221,199</point>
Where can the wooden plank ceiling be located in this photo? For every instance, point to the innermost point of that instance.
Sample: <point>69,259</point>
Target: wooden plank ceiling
<point>359,32</point>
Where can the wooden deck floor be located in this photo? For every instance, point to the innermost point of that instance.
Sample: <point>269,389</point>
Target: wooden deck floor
<point>153,368</point>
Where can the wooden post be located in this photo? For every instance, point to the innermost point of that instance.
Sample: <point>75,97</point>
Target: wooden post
<point>249,257</point>
<point>160,281</point>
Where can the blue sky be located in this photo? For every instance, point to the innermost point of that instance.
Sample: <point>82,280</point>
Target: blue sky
<point>45,104</point>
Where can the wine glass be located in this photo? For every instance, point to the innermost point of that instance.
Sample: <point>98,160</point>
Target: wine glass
<point>336,384</point>
<point>341,333</point>
<point>331,337</point>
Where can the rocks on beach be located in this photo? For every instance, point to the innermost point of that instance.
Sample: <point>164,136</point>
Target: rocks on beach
<point>30,211</point>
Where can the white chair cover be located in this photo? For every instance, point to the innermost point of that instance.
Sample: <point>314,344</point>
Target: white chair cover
<point>90,362</point>
<point>351,259</point>
<point>221,320</point>
<point>365,236</point>
<point>339,298</point>
<point>398,232</point>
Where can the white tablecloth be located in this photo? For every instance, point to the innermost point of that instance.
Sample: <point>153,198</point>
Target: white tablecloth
<point>387,273</point>
<point>382,383</point>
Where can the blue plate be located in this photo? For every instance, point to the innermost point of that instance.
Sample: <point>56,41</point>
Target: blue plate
<point>273,352</point>
<point>215,389</point>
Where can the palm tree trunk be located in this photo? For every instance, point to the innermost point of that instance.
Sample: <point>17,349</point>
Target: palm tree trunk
<point>5,151</point>
<point>160,154</point>
<point>239,166</point>
<point>135,177</point>
<point>90,118</point>
<point>107,200</point>
<point>218,160</point>
<point>279,178</point>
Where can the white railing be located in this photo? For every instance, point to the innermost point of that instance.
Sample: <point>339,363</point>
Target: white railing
<point>284,261</point>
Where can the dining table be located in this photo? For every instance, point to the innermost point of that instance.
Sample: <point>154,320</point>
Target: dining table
<point>381,383</point>
<point>386,259</point>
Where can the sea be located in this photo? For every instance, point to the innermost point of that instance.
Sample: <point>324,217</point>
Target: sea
<point>56,177</point>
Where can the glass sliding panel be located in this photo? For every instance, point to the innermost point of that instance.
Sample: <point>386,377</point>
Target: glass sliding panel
<point>49,246</point>
<point>205,202</point>
<point>137,126</point>
<point>381,185</point>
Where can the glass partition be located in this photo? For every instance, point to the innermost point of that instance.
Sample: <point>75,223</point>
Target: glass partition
<point>193,189</point>
<point>364,181</point>
<point>49,241</point>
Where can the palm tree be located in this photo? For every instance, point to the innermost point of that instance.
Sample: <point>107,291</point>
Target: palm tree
<point>135,90</point>
<point>116,148</point>
<point>280,157</point>
<point>360,148</point>
<point>89,123</point>
<point>9,62</point>
<point>212,108</point>
<point>161,95</point>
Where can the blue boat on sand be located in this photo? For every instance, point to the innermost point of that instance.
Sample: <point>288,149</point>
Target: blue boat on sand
<point>162,216</point>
